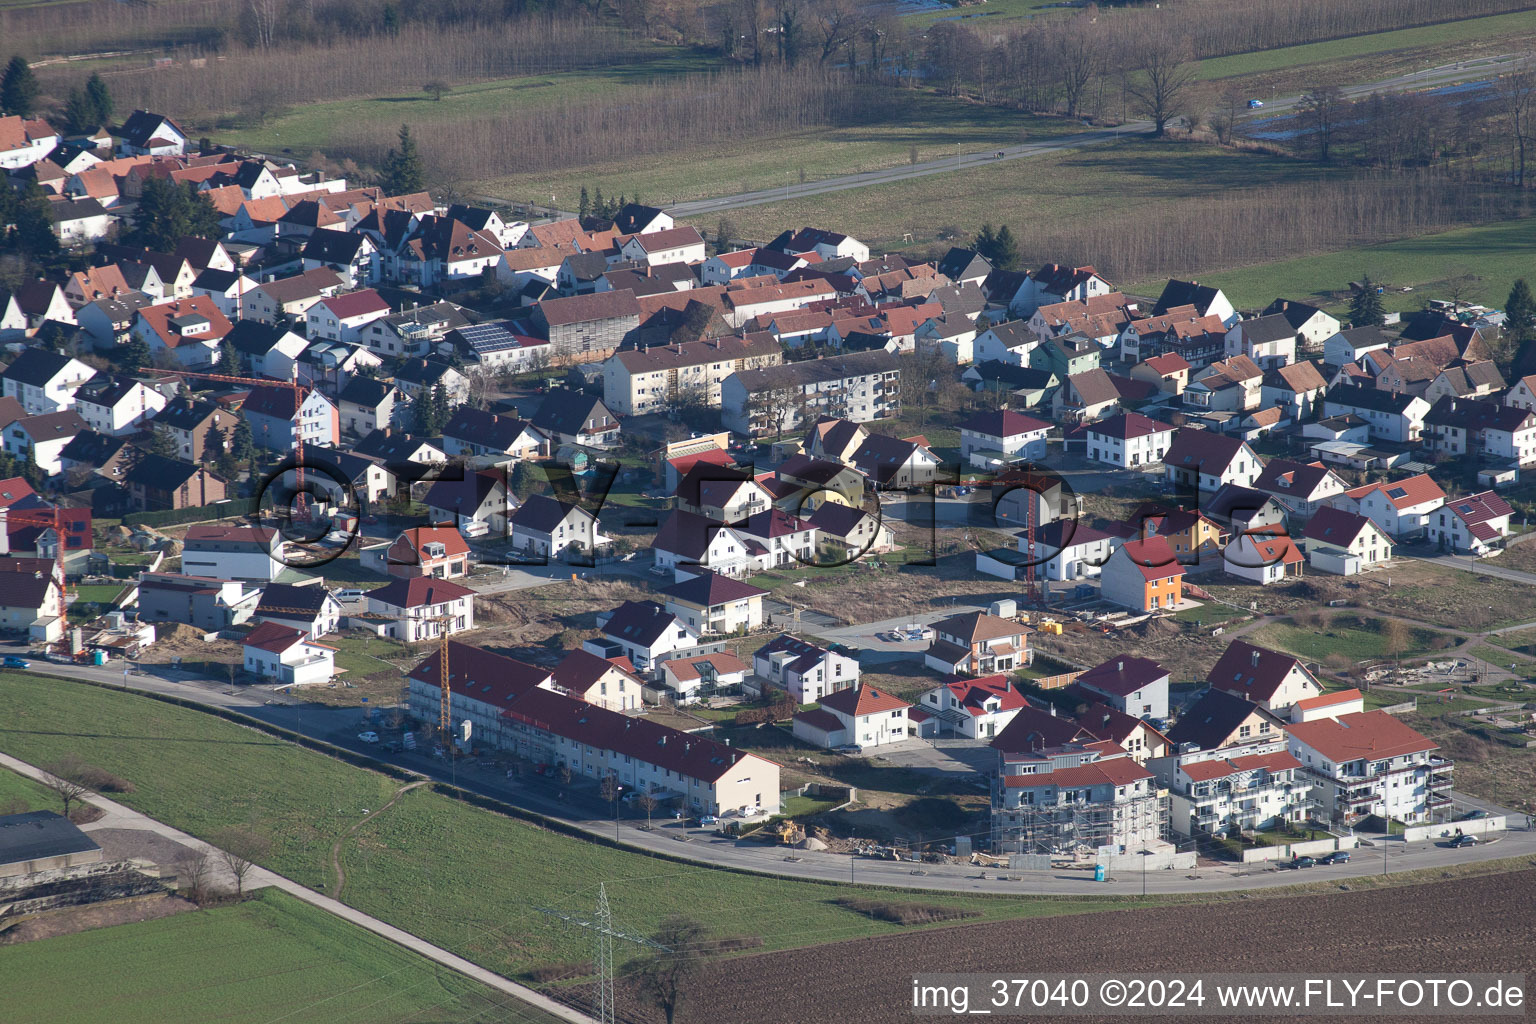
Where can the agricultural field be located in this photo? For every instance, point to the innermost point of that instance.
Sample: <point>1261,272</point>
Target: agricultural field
<point>1497,253</point>
<point>270,958</point>
<point>421,866</point>
<point>1364,930</point>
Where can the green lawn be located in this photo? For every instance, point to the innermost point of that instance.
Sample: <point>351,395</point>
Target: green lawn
<point>18,794</point>
<point>272,958</point>
<point>1492,27</point>
<point>458,875</point>
<point>97,593</point>
<point>1497,253</point>
<point>1350,635</point>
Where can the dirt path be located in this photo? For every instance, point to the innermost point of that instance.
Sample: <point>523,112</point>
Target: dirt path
<point>341,874</point>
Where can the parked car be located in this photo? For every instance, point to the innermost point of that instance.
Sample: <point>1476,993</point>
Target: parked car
<point>368,737</point>
<point>1476,814</point>
<point>1463,840</point>
<point>709,819</point>
<point>659,570</point>
<point>1303,862</point>
<point>11,661</point>
<point>1336,857</point>
<point>1255,104</point>
<point>351,594</point>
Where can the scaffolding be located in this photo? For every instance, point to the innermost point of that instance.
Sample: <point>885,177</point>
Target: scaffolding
<point>1079,829</point>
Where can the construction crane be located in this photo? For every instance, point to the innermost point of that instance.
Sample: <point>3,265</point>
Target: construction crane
<point>301,393</point>
<point>52,518</point>
<point>444,719</point>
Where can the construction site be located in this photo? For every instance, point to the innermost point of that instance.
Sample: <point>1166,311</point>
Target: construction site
<point>1078,830</point>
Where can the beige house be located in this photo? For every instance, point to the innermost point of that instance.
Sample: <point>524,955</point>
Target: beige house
<point>597,680</point>
<point>711,603</point>
<point>648,380</point>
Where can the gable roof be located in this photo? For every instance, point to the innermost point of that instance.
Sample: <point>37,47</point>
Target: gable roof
<point>36,366</point>
<point>1204,450</point>
<point>1335,526</point>
<point>478,427</point>
<point>1295,377</point>
<point>1253,671</point>
<point>1368,735</point>
<point>1185,293</point>
<point>1128,425</point>
<point>1153,556</point>
<point>976,627</point>
<point>419,592</point>
<point>1003,423</point>
<point>1404,493</point>
<point>1123,676</point>
<point>709,589</point>
<point>861,700</point>
<point>273,637</point>
<point>543,513</point>
<point>1214,717</point>
<point>640,622</point>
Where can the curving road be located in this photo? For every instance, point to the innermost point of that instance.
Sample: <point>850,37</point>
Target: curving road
<point>1446,74</point>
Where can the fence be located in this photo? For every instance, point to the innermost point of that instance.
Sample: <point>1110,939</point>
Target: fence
<point>1402,709</point>
<point>1470,827</point>
<point>1308,848</point>
<point>193,514</point>
<point>1056,682</point>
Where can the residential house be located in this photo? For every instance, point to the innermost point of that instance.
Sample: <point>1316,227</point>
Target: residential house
<point>100,454</point>
<point>269,350</point>
<point>828,245</point>
<point>645,633</point>
<point>117,405</point>
<point>1345,543</point>
<point>1476,524</point>
<point>1069,549</point>
<point>588,326</point>
<point>1269,341</point>
<point>1229,385</point>
<point>648,380</point>
<point>1302,487</point>
<point>1295,389</point>
<point>309,607</point>
<point>776,539</point>
<point>156,484</point>
<point>24,141</point>
<point>578,420</point>
<point>1066,355</point>
<point>1372,764</point>
<point>1313,327</point>
<point>686,680</point>
<point>44,381</point>
<point>687,539</point>
<point>404,454</point>
<point>1205,460</point>
<point>1467,427</point>
<point>669,245</point>
<point>287,656</point>
<point>31,601</point>
<point>773,400</point>
<point>286,301</point>
<point>282,418</point>
<point>191,422</point>
<point>344,317</point>
<point>975,709</point>
<point>436,551</point>
<point>805,483</point>
<point>232,552</point>
<point>1005,434</point>
<point>352,254</point>
<point>423,608</point>
<point>1220,720</point>
<point>202,601</point>
<point>367,404</point>
<point>1044,795</point>
<point>1133,686</point>
<point>890,463</point>
<point>1272,680</point>
<point>721,493</point>
<point>1205,299</point>
<point>1128,440</point>
<point>414,331</point>
<point>1263,555</point>
<point>148,134</point>
<point>1352,345</point>
<point>188,331</point>
<point>1402,508</point>
<point>1242,793</point>
<point>1143,575</point>
<point>978,644</point>
<point>226,288</point>
<point>845,534</point>
<point>42,438</point>
<point>512,710</point>
<point>806,671</point>
<point>461,497</point>
<point>834,439</point>
<point>711,603</point>
<point>597,681</point>
<point>1054,283</point>
<point>1010,343</point>
<point>416,375</point>
<point>545,528</point>
<point>1471,380</point>
<point>1243,508</point>
<point>861,717</point>
<point>1169,371</point>
<point>1392,416</point>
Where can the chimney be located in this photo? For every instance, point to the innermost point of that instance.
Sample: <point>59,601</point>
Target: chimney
<point>1255,659</point>
<point>1119,666</point>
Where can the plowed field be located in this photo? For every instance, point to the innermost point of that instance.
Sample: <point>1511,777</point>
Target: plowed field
<point>1457,926</point>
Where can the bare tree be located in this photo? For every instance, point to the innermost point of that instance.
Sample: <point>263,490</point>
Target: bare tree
<point>264,18</point>
<point>1458,283</point>
<point>648,803</point>
<point>664,977</point>
<point>1076,50</point>
<point>1516,91</point>
<point>64,778</point>
<point>435,88</point>
<point>239,850</point>
<point>1322,109</point>
<point>194,873</point>
<point>1229,109</point>
<point>1161,70</point>
<point>1395,637</point>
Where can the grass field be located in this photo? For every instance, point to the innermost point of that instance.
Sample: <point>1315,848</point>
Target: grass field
<point>465,878</point>
<point>19,794</point>
<point>1497,253</point>
<point>1359,639</point>
<point>272,958</point>
<point>1438,37</point>
<point>1034,196</point>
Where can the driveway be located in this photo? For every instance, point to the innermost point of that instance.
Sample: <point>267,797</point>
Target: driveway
<point>941,757</point>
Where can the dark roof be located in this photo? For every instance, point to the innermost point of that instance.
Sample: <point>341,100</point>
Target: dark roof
<point>38,835</point>
<point>279,598</point>
<point>480,675</point>
<point>686,533</point>
<point>465,494</point>
<point>1017,378</point>
<point>1185,293</point>
<point>1231,499</point>
<point>1295,313</point>
<point>579,309</point>
<point>1206,450</point>
<point>562,415</point>
<point>806,654</point>
<point>253,338</point>
<point>836,520</point>
<point>327,245</point>
<point>708,589</point>
<point>418,592</point>
<point>486,428</point>
<point>1470,414</point>
<point>52,425</point>
<point>141,126</point>
<point>105,390</point>
<point>1003,423</point>
<point>160,473</point>
<point>214,279</point>
<point>425,372</point>
<point>632,217</point>
<point>639,622</point>
<point>365,391</point>
<point>960,263</point>
<point>1256,672</point>
<point>92,449</point>
<point>389,445</point>
<point>1356,396</point>
<point>36,366</point>
<point>1123,676</point>
<point>543,513</point>
<point>1212,718</point>
<point>185,415</point>
<point>1268,328</point>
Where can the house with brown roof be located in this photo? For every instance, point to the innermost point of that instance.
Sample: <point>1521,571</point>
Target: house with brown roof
<point>978,644</point>
<point>1302,487</point>
<point>1401,507</point>
<point>712,603</point>
<point>590,327</point>
<point>604,682</point>
<point>423,608</point>
<point>1264,555</point>
<point>1229,385</point>
<point>1004,432</point>
<point>1143,575</point>
<point>1169,372</point>
<point>1371,763</point>
<point>1345,543</point>
<point>1272,680</point>
<point>861,717</point>
<point>1085,397</point>
<point>189,331</point>
<point>685,680</point>
<point>1128,440</point>
<point>287,656</point>
<point>1206,460</point>
<point>232,552</point>
<point>1476,524</point>
<point>437,551</point>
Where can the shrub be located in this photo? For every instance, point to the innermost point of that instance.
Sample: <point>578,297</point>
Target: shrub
<point>560,972</point>
<point>906,913</point>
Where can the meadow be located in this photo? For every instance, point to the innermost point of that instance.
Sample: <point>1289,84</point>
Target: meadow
<point>272,958</point>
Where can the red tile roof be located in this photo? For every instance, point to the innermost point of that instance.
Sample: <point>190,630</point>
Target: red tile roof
<point>862,700</point>
<point>1154,557</point>
<point>1372,735</point>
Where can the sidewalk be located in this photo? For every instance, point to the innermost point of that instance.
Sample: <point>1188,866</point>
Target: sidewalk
<point>118,816</point>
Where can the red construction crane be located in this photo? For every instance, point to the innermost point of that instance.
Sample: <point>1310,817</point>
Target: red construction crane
<point>300,394</point>
<point>53,518</point>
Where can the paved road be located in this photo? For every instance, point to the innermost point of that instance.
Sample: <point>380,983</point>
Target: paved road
<point>1428,78</point>
<point>581,806</point>
<point>119,816</point>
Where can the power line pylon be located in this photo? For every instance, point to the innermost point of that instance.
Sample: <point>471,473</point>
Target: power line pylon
<point>604,933</point>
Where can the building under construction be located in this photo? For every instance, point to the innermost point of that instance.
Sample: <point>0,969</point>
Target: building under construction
<point>1070,801</point>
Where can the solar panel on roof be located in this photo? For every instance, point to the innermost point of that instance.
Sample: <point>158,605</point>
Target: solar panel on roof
<point>1397,492</point>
